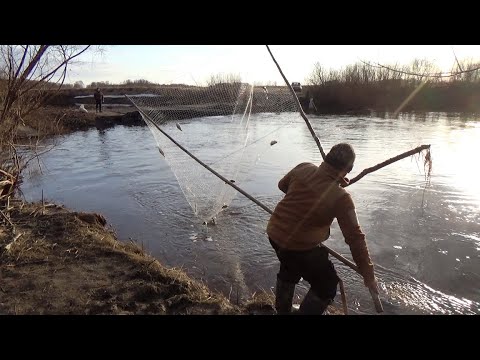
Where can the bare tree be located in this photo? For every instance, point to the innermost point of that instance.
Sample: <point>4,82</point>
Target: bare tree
<point>319,75</point>
<point>79,85</point>
<point>222,78</point>
<point>29,74</point>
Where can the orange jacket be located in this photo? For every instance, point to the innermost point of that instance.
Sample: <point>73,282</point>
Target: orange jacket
<point>314,197</point>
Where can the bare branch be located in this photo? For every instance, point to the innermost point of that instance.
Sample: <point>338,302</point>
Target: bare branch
<point>51,73</point>
<point>30,74</point>
<point>22,61</point>
<point>387,162</point>
<point>32,64</point>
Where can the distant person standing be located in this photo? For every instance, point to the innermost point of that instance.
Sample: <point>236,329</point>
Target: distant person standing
<point>311,105</point>
<point>98,96</point>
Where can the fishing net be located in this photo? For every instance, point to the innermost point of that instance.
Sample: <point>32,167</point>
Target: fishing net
<point>248,118</point>
<point>228,124</point>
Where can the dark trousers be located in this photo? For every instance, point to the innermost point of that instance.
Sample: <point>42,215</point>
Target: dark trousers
<point>312,265</point>
<point>98,106</point>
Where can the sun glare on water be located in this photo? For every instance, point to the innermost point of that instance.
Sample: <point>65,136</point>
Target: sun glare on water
<point>459,161</point>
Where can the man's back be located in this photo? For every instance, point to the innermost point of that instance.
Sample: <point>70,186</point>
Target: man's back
<point>302,219</point>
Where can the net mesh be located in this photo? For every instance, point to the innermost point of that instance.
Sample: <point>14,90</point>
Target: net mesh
<point>248,118</point>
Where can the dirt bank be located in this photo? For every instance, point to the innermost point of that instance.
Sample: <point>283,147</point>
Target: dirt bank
<point>55,261</point>
<point>58,120</point>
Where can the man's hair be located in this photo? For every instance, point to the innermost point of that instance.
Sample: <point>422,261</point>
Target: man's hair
<point>341,157</point>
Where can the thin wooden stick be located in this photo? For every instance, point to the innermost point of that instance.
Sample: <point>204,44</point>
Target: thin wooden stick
<point>16,237</point>
<point>8,247</point>
<point>6,174</point>
<point>375,296</point>
<point>5,182</point>
<point>378,304</point>
<point>5,216</point>
<point>344,297</point>
<point>387,162</point>
<point>300,110</point>
<point>347,262</point>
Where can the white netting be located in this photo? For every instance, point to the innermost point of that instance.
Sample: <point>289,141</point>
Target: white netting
<point>247,119</point>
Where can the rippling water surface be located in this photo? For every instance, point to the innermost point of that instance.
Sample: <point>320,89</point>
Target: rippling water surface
<point>424,241</point>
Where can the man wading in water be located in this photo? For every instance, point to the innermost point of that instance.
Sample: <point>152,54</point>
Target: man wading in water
<point>314,197</point>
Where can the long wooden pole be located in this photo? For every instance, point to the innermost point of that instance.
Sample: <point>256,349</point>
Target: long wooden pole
<point>299,106</point>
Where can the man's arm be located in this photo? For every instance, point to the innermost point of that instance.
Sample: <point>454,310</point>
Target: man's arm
<point>355,238</point>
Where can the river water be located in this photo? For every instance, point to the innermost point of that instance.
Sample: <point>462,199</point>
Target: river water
<point>424,240</point>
